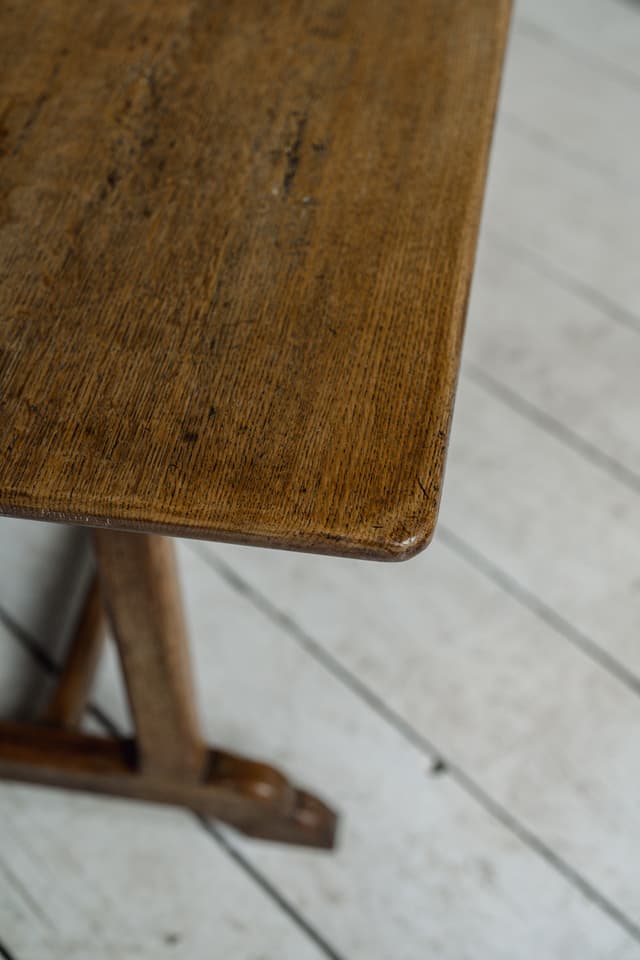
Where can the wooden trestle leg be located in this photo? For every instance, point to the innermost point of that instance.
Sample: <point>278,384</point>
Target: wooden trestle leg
<point>69,698</point>
<point>168,761</point>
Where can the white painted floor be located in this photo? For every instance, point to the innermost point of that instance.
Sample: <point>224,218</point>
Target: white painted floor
<point>474,713</point>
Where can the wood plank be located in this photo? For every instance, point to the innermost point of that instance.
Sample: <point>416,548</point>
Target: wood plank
<point>562,528</point>
<point>560,353</point>
<point>568,215</point>
<point>501,695</point>
<point>564,103</point>
<point>81,875</point>
<point>46,571</point>
<point>556,343</point>
<point>235,262</point>
<point>21,687</point>
<point>629,951</point>
<point>606,34</point>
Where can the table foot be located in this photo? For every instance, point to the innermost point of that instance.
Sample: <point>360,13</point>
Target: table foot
<point>253,797</point>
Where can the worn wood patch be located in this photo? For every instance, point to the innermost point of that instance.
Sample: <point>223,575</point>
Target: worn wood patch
<point>235,249</point>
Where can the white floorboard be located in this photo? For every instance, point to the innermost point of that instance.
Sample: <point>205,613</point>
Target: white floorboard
<point>87,877</point>
<point>587,116</point>
<point>548,518</point>
<point>81,877</point>
<point>603,33</point>
<point>537,340</point>
<point>569,215</point>
<point>420,841</point>
<point>497,691</point>
<point>508,652</point>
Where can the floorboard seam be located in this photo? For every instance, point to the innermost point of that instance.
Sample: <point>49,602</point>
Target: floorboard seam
<point>555,428</point>
<point>534,605</point>
<point>514,125</point>
<point>566,281</point>
<point>268,888</point>
<point>5,953</point>
<point>37,653</point>
<point>613,70</point>
<point>409,733</point>
<point>42,658</point>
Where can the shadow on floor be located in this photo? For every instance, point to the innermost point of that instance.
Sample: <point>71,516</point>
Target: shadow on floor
<point>59,579</point>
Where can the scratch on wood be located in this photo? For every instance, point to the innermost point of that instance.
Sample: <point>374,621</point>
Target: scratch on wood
<point>293,156</point>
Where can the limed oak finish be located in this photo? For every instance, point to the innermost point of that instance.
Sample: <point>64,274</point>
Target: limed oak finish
<point>235,250</point>
<point>236,243</point>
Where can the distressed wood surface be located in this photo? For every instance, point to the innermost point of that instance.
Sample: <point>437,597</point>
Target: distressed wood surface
<point>235,249</point>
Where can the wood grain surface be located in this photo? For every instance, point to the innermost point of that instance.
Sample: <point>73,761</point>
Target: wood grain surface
<point>236,243</point>
<point>140,586</point>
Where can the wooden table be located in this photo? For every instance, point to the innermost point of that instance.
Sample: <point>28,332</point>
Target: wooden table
<point>236,246</point>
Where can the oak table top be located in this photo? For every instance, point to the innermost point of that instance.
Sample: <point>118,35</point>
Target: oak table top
<point>236,243</point>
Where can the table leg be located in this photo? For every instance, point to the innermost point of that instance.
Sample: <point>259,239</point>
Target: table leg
<point>141,591</point>
<point>168,761</point>
<point>69,698</point>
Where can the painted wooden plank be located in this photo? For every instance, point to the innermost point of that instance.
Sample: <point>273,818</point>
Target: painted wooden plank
<point>421,866</point>
<point>629,951</point>
<point>22,688</point>
<point>45,572</point>
<point>554,346</point>
<point>490,684</point>
<point>105,878</point>
<point>606,32</point>
<point>567,106</point>
<point>417,838</point>
<point>82,876</point>
<point>559,353</point>
<point>562,528</point>
<point>569,215</point>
